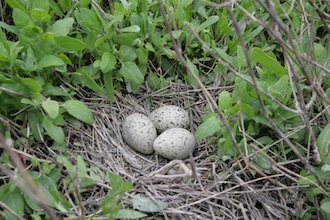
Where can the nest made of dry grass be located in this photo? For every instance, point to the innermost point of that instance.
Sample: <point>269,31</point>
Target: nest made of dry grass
<point>201,187</point>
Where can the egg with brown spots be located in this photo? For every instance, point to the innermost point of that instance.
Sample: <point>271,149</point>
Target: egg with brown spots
<point>169,116</point>
<point>139,133</point>
<point>175,143</point>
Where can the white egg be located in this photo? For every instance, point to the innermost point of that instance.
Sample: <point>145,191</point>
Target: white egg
<point>175,143</point>
<point>169,116</point>
<point>139,133</point>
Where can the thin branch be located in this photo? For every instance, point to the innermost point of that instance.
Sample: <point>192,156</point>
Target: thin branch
<point>25,183</point>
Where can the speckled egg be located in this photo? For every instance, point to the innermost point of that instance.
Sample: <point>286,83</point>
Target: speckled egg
<point>139,133</point>
<point>175,143</point>
<point>169,116</point>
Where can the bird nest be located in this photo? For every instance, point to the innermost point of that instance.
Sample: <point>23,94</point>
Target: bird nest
<point>200,187</point>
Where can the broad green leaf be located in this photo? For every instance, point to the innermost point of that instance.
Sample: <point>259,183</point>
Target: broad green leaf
<point>223,54</point>
<point>145,204</point>
<point>50,90</point>
<point>262,161</point>
<point>81,166</point>
<point>88,20</point>
<point>107,77</point>
<point>177,33</point>
<point>247,110</point>
<point>31,60</point>
<point>323,144</point>
<point>325,208</point>
<point>131,72</point>
<point>40,15</point>
<point>190,79</point>
<point>61,27</point>
<point>111,203</point>
<point>129,214</point>
<point>51,107</point>
<point>55,132</point>
<point>125,38</point>
<point>65,4</point>
<point>32,84</point>
<point>267,61</point>
<point>224,100</point>
<point>79,110</point>
<point>16,4</point>
<point>40,4</point>
<point>69,167</point>
<point>88,81</point>
<point>108,62</point>
<point>21,19</point>
<point>16,202</point>
<point>209,21</point>
<point>50,192</point>
<point>10,28</point>
<point>127,53</point>
<point>241,60</point>
<point>142,55</point>
<point>208,128</point>
<point>50,60</point>
<point>69,44</point>
<point>34,118</point>
<point>131,29</point>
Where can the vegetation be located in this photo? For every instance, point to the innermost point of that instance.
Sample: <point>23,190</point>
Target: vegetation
<point>272,55</point>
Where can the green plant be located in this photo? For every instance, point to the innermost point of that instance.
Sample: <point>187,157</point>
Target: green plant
<point>49,50</point>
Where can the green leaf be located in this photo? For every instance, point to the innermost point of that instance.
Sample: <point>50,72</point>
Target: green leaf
<point>109,86</point>
<point>16,202</point>
<point>88,20</point>
<point>132,29</point>
<point>190,79</point>
<point>127,53</point>
<point>142,55</point>
<point>224,100</point>
<point>32,84</point>
<point>148,205</point>
<point>40,4</point>
<point>129,214</point>
<point>69,167</point>
<point>323,144</point>
<point>209,21</point>
<point>21,19</point>
<point>241,60</point>
<point>55,132</point>
<point>61,27</point>
<point>108,62</point>
<point>131,72</point>
<point>69,44</point>
<point>88,81</point>
<point>15,4</point>
<point>82,170</point>
<point>40,15</point>
<point>51,107</point>
<point>325,208</point>
<point>49,190</point>
<point>208,128</point>
<point>50,60</point>
<point>79,110</point>
<point>125,38</point>
<point>34,118</point>
<point>267,61</point>
<point>223,54</point>
<point>111,203</point>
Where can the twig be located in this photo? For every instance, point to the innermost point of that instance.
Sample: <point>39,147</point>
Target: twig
<point>25,183</point>
<point>178,50</point>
